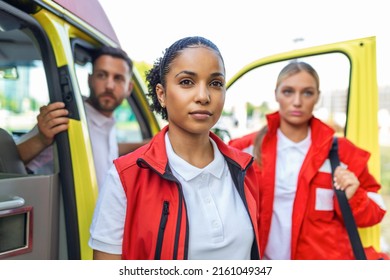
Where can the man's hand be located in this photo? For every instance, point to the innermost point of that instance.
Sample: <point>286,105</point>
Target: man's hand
<point>52,120</point>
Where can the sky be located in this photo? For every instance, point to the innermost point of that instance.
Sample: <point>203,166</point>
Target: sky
<point>247,30</point>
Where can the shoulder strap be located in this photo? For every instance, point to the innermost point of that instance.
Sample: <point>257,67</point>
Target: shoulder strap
<point>349,220</point>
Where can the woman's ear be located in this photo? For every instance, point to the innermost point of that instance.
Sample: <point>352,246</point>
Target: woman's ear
<point>160,94</point>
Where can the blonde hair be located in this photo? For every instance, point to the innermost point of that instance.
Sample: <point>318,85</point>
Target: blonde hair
<point>295,67</point>
<point>257,144</point>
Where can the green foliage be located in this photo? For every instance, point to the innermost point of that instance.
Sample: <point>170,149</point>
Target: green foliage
<point>263,108</point>
<point>13,105</point>
<point>2,100</point>
<point>35,105</point>
<point>225,113</point>
<point>142,67</point>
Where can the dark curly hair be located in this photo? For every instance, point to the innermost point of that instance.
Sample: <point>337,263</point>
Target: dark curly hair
<point>162,65</point>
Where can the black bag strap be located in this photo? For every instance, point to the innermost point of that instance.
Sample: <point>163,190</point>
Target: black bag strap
<point>349,220</point>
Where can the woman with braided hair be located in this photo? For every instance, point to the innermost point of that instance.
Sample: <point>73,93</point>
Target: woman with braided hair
<point>185,194</point>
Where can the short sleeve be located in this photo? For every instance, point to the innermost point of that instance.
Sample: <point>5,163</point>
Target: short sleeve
<point>109,217</point>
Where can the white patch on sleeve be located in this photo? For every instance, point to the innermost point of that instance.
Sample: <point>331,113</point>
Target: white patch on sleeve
<point>324,199</point>
<point>377,198</point>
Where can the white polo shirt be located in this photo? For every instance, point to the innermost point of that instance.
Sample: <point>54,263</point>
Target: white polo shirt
<point>219,225</point>
<point>103,141</point>
<point>290,156</point>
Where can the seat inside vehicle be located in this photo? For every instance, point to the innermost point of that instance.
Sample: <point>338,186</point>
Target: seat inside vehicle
<point>10,161</point>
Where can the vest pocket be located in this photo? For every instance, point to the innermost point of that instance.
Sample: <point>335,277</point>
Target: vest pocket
<point>161,230</point>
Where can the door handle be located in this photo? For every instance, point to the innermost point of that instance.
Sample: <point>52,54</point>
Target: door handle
<point>12,202</point>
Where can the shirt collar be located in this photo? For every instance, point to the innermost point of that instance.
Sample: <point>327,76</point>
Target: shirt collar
<point>285,143</point>
<point>188,171</point>
<point>98,118</point>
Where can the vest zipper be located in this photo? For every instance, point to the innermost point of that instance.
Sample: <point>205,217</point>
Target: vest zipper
<point>161,230</point>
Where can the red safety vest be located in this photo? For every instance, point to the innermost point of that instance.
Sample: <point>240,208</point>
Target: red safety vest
<point>156,225</point>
